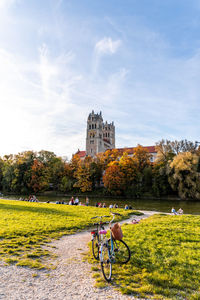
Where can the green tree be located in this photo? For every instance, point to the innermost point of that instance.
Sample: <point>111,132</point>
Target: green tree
<point>184,175</point>
<point>83,175</point>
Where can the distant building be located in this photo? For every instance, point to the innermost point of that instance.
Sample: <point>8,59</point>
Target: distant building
<point>100,137</point>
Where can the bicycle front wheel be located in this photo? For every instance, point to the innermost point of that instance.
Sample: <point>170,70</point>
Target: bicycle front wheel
<point>95,246</point>
<point>122,252</point>
<point>106,264</point>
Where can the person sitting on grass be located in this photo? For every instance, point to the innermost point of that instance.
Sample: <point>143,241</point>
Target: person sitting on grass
<point>76,202</point>
<point>126,207</point>
<point>180,211</point>
<point>87,201</point>
<point>134,221</point>
<point>173,211</point>
<point>71,202</point>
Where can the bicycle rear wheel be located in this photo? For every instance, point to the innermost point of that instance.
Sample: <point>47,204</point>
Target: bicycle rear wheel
<point>106,264</point>
<point>95,246</point>
<point>122,252</point>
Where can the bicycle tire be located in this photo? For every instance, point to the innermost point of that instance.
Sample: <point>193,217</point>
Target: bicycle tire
<point>122,252</point>
<point>95,246</point>
<point>106,264</point>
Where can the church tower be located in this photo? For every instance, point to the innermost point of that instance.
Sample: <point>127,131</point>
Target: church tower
<point>99,136</point>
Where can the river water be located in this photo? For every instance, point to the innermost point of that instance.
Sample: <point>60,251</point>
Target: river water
<point>189,207</point>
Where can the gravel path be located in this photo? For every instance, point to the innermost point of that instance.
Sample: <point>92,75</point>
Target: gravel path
<point>72,279</point>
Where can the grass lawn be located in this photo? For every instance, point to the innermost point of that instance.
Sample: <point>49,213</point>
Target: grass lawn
<point>26,226</point>
<point>165,262</point>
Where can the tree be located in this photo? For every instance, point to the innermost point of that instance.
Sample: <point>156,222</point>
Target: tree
<point>184,175</point>
<point>114,179</point>
<point>141,158</point>
<point>160,184</point>
<point>39,177</point>
<point>1,173</point>
<point>83,175</point>
<point>108,156</point>
<point>166,149</point>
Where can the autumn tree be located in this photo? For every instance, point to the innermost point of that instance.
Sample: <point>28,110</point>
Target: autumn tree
<point>7,173</point>
<point>67,180</point>
<point>114,179</point>
<point>1,172</point>
<point>108,156</point>
<point>160,182</point>
<point>83,175</point>
<point>167,149</point>
<point>39,177</point>
<point>141,158</point>
<point>184,175</point>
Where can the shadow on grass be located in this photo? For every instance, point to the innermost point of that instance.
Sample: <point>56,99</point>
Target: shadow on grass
<point>38,209</point>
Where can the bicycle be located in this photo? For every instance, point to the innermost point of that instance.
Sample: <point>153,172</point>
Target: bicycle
<point>112,251</point>
<point>97,235</point>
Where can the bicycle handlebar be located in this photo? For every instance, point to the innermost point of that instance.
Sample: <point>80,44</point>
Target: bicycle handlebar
<point>100,217</point>
<point>103,223</point>
<point>117,214</point>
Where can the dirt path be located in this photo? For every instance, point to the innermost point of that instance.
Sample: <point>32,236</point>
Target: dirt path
<point>72,279</point>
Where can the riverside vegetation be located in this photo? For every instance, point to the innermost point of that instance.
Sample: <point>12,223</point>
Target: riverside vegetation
<point>165,260</point>
<point>25,227</point>
<point>175,172</point>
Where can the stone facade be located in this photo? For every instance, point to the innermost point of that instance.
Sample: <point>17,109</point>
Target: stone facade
<point>100,136</point>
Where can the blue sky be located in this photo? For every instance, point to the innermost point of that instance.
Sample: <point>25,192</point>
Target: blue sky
<point>136,61</point>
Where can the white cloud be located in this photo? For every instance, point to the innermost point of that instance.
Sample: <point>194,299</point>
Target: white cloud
<point>6,3</point>
<point>107,46</point>
<point>36,106</point>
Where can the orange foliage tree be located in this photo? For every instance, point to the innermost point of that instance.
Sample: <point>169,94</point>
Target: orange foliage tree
<point>39,177</point>
<point>114,179</point>
<point>83,175</point>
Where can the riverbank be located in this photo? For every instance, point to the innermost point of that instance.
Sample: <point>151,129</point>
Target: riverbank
<point>165,264</point>
<point>94,195</point>
<point>189,207</point>
<point>71,279</point>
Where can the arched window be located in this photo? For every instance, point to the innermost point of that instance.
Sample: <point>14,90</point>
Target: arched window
<point>95,126</point>
<point>89,126</point>
<point>92,126</point>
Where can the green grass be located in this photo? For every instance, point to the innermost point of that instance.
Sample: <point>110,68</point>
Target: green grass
<point>25,227</point>
<point>165,262</point>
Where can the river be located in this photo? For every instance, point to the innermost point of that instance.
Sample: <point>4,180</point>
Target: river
<point>189,207</point>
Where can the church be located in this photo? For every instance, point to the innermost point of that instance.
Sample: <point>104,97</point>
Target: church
<point>100,136</point>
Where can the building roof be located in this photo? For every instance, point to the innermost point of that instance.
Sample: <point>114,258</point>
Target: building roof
<point>81,153</point>
<point>150,149</point>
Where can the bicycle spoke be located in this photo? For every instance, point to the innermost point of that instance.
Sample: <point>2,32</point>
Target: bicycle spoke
<point>95,247</point>
<point>106,264</point>
<point>122,252</point>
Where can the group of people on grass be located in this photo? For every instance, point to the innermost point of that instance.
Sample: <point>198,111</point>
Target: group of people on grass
<point>178,212</point>
<point>77,202</point>
<point>99,204</point>
<point>31,198</point>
